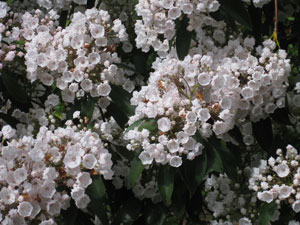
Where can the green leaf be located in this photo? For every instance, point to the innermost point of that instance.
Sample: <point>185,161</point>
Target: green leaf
<point>183,38</point>
<point>97,193</point>
<point>121,98</point>
<point>282,115</point>
<point>193,172</point>
<point>12,121</point>
<point>214,161</point>
<point>228,160</point>
<point>8,2</point>
<point>140,62</point>
<point>136,170</point>
<point>87,108</point>
<point>128,212</point>
<point>263,133</point>
<point>236,134</point>
<point>155,214</point>
<point>14,89</point>
<point>70,215</point>
<point>200,168</point>
<point>237,11</point>
<point>266,213</point>
<point>125,153</point>
<point>145,123</point>
<point>166,183</point>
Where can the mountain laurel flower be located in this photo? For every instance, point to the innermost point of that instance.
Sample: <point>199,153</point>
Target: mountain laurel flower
<point>164,124</point>
<point>282,170</point>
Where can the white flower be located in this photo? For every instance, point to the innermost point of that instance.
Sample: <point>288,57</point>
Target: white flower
<point>82,202</point>
<point>89,161</point>
<point>72,160</point>
<point>20,175</point>
<point>84,179</point>
<point>282,170</point>
<point>203,114</point>
<point>25,209</point>
<point>245,221</point>
<point>77,193</point>
<point>7,196</point>
<point>164,124</point>
<point>175,161</point>
<point>266,196</point>
<point>293,222</point>
<point>284,191</point>
<point>173,146</point>
<point>47,190</point>
<point>296,206</point>
<point>104,89</point>
<point>204,79</point>
<point>145,158</point>
<point>8,132</point>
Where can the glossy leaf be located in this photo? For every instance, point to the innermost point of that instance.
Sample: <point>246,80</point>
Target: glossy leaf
<point>266,213</point>
<point>263,133</point>
<point>14,89</point>
<point>214,161</point>
<point>166,183</point>
<point>183,38</point>
<point>136,170</point>
<point>226,156</point>
<point>155,214</point>
<point>237,11</point>
<point>97,193</point>
<point>87,108</point>
<point>128,212</point>
<point>12,121</point>
<point>121,99</point>
<point>145,123</point>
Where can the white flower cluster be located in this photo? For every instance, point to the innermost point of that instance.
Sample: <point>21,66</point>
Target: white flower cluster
<point>78,59</point>
<point>278,178</point>
<point>209,93</point>
<point>158,19</point>
<point>223,200</point>
<point>35,173</point>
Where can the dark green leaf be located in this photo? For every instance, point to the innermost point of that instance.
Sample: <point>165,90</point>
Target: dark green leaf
<point>121,98</point>
<point>145,123</point>
<point>200,168</point>
<point>87,108</point>
<point>97,193</point>
<point>125,153</point>
<point>70,215</point>
<point>136,170</point>
<point>155,214</point>
<point>236,134</point>
<point>166,183</point>
<point>183,38</point>
<point>14,89</point>
<point>12,121</point>
<point>228,160</point>
<point>128,212</point>
<point>193,172</point>
<point>263,133</point>
<point>237,11</point>
<point>9,2</point>
<point>281,115</point>
<point>214,161</point>
<point>266,212</point>
<point>140,62</point>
